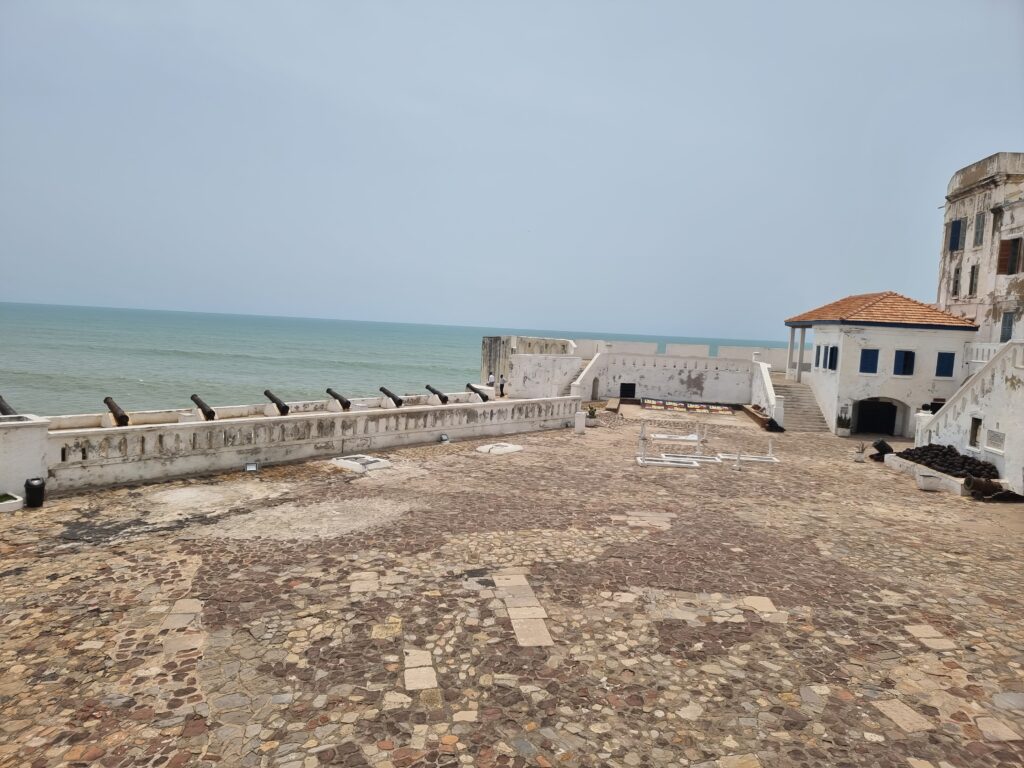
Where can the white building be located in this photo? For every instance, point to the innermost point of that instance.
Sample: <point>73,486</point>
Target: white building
<point>981,276</point>
<point>951,374</point>
<point>879,357</point>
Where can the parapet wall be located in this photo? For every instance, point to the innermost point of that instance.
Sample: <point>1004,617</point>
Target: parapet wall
<point>693,379</point>
<point>103,456</point>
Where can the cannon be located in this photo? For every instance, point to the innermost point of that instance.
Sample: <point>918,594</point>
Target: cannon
<point>5,409</point>
<point>440,395</point>
<point>394,398</point>
<point>482,394</point>
<point>982,486</point>
<point>345,402</point>
<point>120,417</point>
<point>282,406</point>
<point>208,413</point>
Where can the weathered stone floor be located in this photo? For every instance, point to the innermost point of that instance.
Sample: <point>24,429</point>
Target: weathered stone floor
<point>560,606</point>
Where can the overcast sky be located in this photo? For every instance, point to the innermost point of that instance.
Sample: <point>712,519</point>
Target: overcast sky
<point>689,168</point>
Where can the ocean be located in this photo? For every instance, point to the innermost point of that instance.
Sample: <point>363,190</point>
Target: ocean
<point>62,360</point>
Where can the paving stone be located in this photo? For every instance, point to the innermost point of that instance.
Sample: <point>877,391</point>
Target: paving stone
<point>528,612</point>
<point>531,632</point>
<point>187,605</point>
<point>938,643</point>
<point>905,717</point>
<point>922,630</point>
<point>759,604</point>
<point>995,730</point>
<point>418,678</point>
<point>645,577</point>
<point>740,761</point>
<point>417,658</point>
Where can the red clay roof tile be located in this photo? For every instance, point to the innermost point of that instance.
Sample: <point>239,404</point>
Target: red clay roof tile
<point>886,308</point>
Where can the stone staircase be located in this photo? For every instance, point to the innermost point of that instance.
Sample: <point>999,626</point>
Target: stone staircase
<point>567,389</point>
<point>802,413</point>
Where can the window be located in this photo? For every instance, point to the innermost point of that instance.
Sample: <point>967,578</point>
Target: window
<point>833,358</point>
<point>1006,327</point>
<point>954,289</point>
<point>957,229</point>
<point>979,229</point>
<point>869,361</point>
<point>1011,259</point>
<point>817,355</point>
<point>904,363</point>
<point>944,364</point>
<point>975,432</point>
<point>972,281</point>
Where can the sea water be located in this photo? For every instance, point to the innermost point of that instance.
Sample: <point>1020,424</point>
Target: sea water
<point>61,359</point>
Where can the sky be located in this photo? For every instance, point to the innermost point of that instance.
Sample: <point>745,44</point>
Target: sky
<point>678,168</point>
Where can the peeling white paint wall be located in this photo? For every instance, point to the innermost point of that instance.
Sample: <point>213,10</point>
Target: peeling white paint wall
<point>22,451</point>
<point>693,379</point>
<point>496,352</point>
<point>996,396</point>
<point>994,188</point>
<point>81,458</point>
<point>542,375</point>
<point>847,385</point>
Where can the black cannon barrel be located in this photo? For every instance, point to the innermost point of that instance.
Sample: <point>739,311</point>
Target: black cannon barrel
<point>5,409</point>
<point>440,395</point>
<point>345,402</point>
<point>982,485</point>
<point>394,398</point>
<point>120,417</point>
<point>208,413</point>
<point>282,406</point>
<point>483,395</point>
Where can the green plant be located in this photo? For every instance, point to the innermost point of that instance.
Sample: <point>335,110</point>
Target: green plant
<point>861,447</point>
<point>6,497</point>
<point>591,412</point>
<point>842,422</point>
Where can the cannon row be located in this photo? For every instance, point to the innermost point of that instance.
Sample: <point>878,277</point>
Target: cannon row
<point>122,419</point>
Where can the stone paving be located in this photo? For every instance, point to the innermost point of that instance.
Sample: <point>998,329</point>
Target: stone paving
<point>558,606</point>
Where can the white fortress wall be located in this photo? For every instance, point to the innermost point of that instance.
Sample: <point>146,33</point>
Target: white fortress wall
<point>101,456</point>
<point>774,356</point>
<point>995,398</point>
<point>496,351</point>
<point>694,379</point>
<point>176,415</point>
<point>688,350</point>
<point>534,376</point>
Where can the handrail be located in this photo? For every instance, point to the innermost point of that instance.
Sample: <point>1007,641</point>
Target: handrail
<point>1011,349</point>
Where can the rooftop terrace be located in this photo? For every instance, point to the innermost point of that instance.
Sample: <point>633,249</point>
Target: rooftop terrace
<point>556,606</point>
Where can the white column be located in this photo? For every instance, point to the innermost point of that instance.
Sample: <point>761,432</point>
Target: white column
<point>789,351</point>
<point>800,354</point>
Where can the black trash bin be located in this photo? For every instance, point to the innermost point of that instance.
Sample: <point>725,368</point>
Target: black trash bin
<point>35,491</point>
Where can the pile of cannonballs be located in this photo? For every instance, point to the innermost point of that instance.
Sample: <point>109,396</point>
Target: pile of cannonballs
<point>949,461</point>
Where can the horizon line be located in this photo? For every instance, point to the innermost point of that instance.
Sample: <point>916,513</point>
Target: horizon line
<point>712,339</point>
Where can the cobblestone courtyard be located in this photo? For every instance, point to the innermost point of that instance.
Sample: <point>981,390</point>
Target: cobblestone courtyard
<point>560,606</point>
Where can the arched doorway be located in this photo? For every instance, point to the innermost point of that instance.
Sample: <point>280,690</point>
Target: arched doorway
<point>878,416</point>
<point>595,389</point>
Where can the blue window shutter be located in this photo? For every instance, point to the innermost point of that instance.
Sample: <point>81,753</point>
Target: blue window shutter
<point>1006,327</point>
<point>869,361</point>
<point>904,363</point>
<point>954,234</point>
<point>944,364</point>
<point>817,355</point>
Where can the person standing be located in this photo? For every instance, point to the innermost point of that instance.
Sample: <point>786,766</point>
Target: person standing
<point>490,379</point>
<point>501,386</point>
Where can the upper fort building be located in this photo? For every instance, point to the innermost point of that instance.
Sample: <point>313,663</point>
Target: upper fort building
<point>981,275</point>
